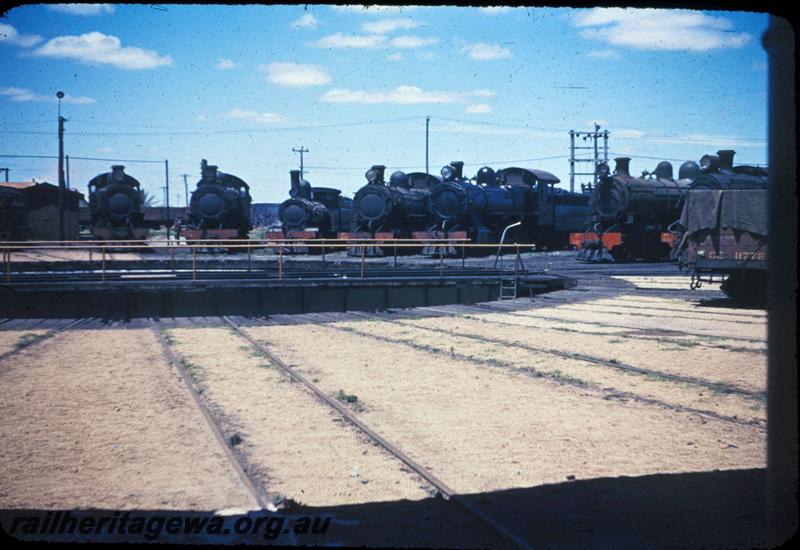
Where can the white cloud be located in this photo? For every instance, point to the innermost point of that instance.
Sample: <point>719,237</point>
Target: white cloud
<point>384,26</point>
<point>479,108</point>
<point>340,40</point>
<point>394,56</point>
<point>9,35</point>
<point>295,74</point>
<point>653,29</point>
<point>254,116</point>
<point>402,95</point>
<point>202,117</point>
<point>96,47</point>
<point>106,150</point>
<point>426,55</point>
<point>485,52</point>
<point>412,42</point>
<point>224,64</point>
<point>24,95</point>
<point>82,9</point>
<point>611,55</point>
<point>307,21</point>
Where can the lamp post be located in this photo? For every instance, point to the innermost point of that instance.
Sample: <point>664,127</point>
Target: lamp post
<point>61,183</point>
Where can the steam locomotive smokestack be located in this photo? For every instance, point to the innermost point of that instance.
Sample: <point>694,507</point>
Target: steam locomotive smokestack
<point>295,176</point>
<point>380,168</point>
<point>726,158</point>
<point>458,167</point>
<point>623,166</point>
<point>209,172</point>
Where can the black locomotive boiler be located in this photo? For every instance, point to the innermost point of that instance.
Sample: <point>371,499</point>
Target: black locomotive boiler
<point>396,210</point>
<point>492,201</point>
<point>219,207</point>
<point>115,206</point>
<point>631,216</point>
<point>313,213</point>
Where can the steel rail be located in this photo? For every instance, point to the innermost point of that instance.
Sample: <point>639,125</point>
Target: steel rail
<point>255,487</point>
<point>531,315</point>
<point>757,423</point>
<point>719,386</point>
<point>446,491</point>
<point>42,337</point>
<point>585,332</point>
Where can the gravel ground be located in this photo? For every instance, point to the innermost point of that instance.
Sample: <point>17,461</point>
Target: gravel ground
<point>99,420</point>
<point>482,428</point>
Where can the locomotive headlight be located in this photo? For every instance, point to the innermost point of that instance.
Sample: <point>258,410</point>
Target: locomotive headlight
<point>603,170</point>
<point>447,172</point>
<point>372,175</point>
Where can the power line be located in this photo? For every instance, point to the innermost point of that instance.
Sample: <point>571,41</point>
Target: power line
<point>80,158</point>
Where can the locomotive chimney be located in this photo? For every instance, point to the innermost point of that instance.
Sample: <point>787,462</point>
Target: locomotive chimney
<point>623,166</point>
<point>726,158</point>
<point>380,168</point>
<point>295,176</point>
<point>118,172</point>
<point>458,167</point>
<point>210,172</point>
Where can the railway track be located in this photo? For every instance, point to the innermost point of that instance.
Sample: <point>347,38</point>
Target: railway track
<point>42,337</point>
<point>556,378</point>
<point>497,308</point>
<point>253,486</point>
<point>420,470</point>
<point>705,344</point>
<point>616,365</point>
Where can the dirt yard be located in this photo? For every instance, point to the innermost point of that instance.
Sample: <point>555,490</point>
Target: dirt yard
<point>98,419</point>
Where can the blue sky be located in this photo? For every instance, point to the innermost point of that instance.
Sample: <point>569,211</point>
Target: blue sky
<point>242,85</point>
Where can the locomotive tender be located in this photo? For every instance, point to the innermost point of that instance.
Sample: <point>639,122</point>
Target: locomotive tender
<point>631,216</point>
<point>725,227</point>
<point>115,205</point>
<point>219,207</point>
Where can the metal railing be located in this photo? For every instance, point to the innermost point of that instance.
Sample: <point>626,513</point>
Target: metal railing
<point>191,248</point>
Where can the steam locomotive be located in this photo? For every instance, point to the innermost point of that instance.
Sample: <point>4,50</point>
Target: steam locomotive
<point>397,210</point>
<point>312,213</point>
<point>115,206</point>
<point>219,207</point>
<point>631,216</point>
<point>724,223</point>
<point>484,207</point>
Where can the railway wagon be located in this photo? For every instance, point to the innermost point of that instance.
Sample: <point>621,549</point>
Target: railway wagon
<point>631,216</point>
<point>391,211</point>
<point>115,206</point>
<point>219,207</point>
<point>312,213</point>
<point>724,223</point>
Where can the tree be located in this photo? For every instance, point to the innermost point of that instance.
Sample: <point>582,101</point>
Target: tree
<point>148,200</point>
